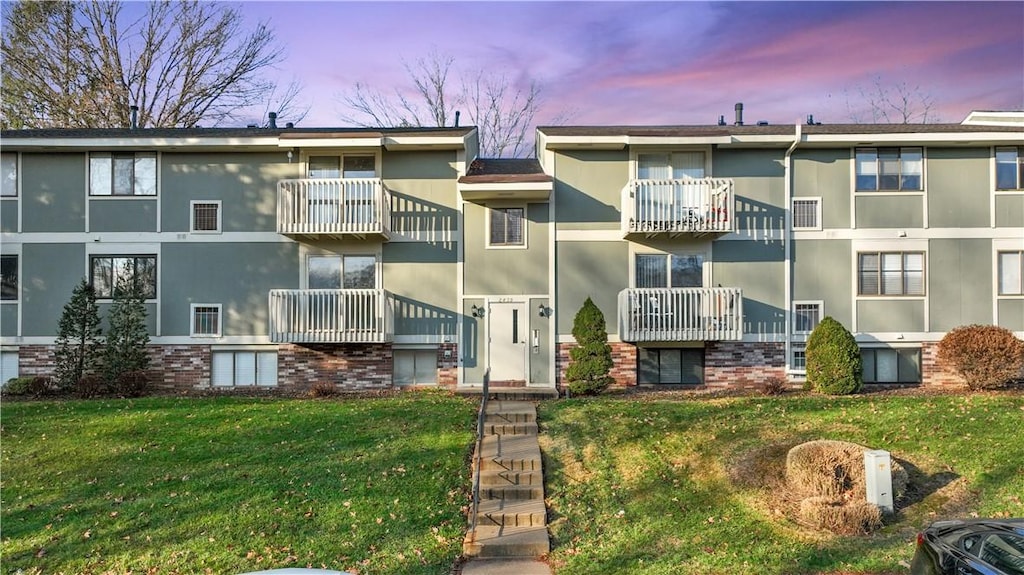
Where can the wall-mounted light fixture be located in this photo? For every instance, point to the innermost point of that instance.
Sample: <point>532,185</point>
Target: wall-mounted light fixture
<point>544,311</point>
<point>478,311</point>
<point>290,156</point>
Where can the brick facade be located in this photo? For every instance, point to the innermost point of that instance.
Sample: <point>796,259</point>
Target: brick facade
<point>179,366</point>
<point>743,365</point>
<point>623,363</point>
<point>350,366</point>
<point>932,372</point>
<point>448,365</point>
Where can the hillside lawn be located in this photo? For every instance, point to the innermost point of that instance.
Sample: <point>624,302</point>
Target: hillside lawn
<point>636,483</point>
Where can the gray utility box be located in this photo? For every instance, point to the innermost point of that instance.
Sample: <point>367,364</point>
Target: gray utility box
<point>878,478</point>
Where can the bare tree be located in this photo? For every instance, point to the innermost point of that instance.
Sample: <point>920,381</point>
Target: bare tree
<point>503,112</point>
<point>898,103</point>
<point>75,64</point>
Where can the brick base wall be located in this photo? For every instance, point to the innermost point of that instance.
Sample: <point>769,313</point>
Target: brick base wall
<point>743,365</point>
<point>448,367</point>
<point>350,366</point>
<point>932,372</point>
<point>35,360</point>
<point>179,366</point>
<point>623,363</point>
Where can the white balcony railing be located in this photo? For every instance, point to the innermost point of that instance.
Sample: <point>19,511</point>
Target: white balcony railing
<point>331,316</point>
<point>692,205</point>
<point>680,314</point>
<point>333,207</point>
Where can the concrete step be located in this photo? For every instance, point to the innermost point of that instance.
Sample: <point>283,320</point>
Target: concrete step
<point>510,428</point>
<point>511,393</point>
<point>501,477</point>
<point>507,541</point>
<point>512,512</point>
<point>510,412</point>
<point>510,447</point>
<point>498,491</point>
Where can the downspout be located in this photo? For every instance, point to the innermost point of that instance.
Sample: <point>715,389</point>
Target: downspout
<point>787,234</point>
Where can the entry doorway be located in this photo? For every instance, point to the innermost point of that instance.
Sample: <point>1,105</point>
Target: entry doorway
<point>507,342</point>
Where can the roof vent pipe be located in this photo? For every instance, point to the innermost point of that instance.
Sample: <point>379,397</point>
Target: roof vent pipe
<point>457,114</point>
<point>721,120</point>
<point>272,120</point>
<point>134,117</point>
<point>739,113</point>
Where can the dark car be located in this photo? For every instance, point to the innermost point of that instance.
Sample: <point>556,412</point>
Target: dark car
<point>976,547</point>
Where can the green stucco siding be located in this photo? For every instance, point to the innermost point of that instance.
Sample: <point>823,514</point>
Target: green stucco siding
<point>759,187</point>
<point>539,356</point>
<point>508,271</point>
<point>959,283</point>
<point>9,216</point>
<point>1011,314</point>
<point>890,315</point>
<point>756,268</point>
<point>239,276</point>
<point>246,184</point>
<point>421,278</point>
<point>588,188</point>
<point>53,191</point>
<point>122,215</point>
<point>958,187</point>
<point>9,320</point>
<point>473,345</point>
<point>598,270</point>
<point>424,197</point>
<point>889,211</point>
<point>49,273</point>
<point>1010,211</point>
<point>825,174</point>
<point>822,272</point>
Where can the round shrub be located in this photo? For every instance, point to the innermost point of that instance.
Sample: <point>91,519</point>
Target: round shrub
<point>985,356</point>
<point>18,386</point>
<point>131,384</point>
<point>846,517</point>
<point>833,359</point>
<point>90,386</point>
<point>828,468</point>
<point>774,386</point>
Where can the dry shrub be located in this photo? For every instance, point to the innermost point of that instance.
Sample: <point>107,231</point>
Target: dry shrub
<point>986,356</point>
<point>131,384</point>
<point>840,515</point>
<point>830,468</point>
<point>775,386</point>
<point>90,386</point>
<point>323,389</point>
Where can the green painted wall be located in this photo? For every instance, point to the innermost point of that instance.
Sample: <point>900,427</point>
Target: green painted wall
<point>49,273</point>
<point>595,269</point>
<point>421,277</point>
<point>760,187</point>
<point>588,188</point>
<point>958,187</point>
<point>424,197</point>
<point>151,312</point>
<point>822,272</point>
<point>890,315</point>
<point>237,275</point>
<point>53,190</point>
<point>9,319</point>
<point>539,357</point>
<point>889,211</point>
<point>1011,314</point>
<point>825,174</point>
<point>122,215</point>
<point>959,283</point>
<point>473,347</point>
<point>1010,211</point>
<point>756,268</point>
<point>9,215</point>
<point>506,270</point>
<point>245,183</point>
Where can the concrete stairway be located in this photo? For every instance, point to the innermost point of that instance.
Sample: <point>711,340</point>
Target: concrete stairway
<point>511,519</point>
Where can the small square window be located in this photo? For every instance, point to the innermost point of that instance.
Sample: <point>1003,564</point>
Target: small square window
<point>206,216</point>
<point>507,227</point>
<point>799,358</point>
<point>206,320</point>
<point>806,213</point>
<point>806,316</point>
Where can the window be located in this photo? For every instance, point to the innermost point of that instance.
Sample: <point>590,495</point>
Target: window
<point>670,366</point>
<point>342,272</point>
<point>891,365</point>
<point>8,174</point>
<point>1009,168</point>
<point>663,270</point>
<point>8,278</point>
<point>122,174</point>
<point>111,274</point>
<point>205,216</point>
<point>415,366</point>
<point>358,167</point>
<point>890,273</point>
<point>206,320</point>
<point>807,213</point>
<point>799,358</point>
<point>507,227</point>
<point>806,316</point>
<point>889,169</point>
<point>1011,273</point>
<point>334,167</point>
<point>670,166</point>
<point>243,368</point>
<point>8,365</point>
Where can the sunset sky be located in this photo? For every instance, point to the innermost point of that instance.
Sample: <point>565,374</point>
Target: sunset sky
<point>666,62</point>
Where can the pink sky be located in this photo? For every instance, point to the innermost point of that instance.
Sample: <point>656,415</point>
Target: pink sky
<point>666,62</point>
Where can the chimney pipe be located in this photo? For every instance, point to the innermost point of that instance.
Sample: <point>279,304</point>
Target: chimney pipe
<point>134,117</point>
<point>272,120</point>
<point>457,114</point>
<point>739,113</point>
<point>721,120</point>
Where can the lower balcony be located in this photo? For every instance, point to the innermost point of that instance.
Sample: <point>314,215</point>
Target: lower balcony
<point>331,316</point>
<point>680,314</point>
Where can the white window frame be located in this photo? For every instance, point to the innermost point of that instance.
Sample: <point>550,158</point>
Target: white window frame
<point>858,252</point>
<point>995,167</point>
<point>899,189</point>
<point>193,308</point>
<point>414,351</point>
<point>634,157</point>
<point>896,350</point>
<point>110,192</point>
<point>18,280</point>
<point>526,224</point>
<point>820,304</point>
<point>122,255</point>
<point>341,154</point>
<point>9,357</point>
<point>377,267</point>
<point>999,273</point>
<point>235,351</point>
<point>798,348</point>
<point>705,277</point>
<point>817,213</point>
<point>17,175</point>
<point>192,216</point>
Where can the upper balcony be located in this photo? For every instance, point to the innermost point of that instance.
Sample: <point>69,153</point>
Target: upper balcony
<point>670,208</point>
<point>354,208</point>
<point>680,314</point>
<point>331,316</point>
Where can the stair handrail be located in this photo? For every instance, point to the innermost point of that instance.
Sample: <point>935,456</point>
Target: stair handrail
<point>479,452</point>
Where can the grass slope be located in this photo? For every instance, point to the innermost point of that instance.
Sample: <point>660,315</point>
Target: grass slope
<point>226,485</point>
<point>655,485</point>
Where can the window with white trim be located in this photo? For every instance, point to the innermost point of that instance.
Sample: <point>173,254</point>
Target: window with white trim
<point>1011,272</point>
<point>670,165</point>
<point>806,316</point>
<point>799,357</point>
<point>665,270</point>
<point>890,273</point>
<point>122,174</point>
<point>341,272</point>
<point>889,169</point>
<point>508,227</point>
<point>8,174</point>
<point>110,274</point>
<point>886,365</point>
<point>206,320</point>
<point>243,368</point>
<point>9,278</point>
<point>670,365</point>
<point>1010,168</point>
<point>205,216</point>
<point>415,366</point>
<point>806,213</point>
<point>8,365</point>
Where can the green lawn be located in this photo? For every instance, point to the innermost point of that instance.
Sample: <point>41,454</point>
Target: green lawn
<point>232,484</point>
<point>675,485</point>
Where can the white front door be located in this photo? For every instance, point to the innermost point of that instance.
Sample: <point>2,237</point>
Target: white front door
<point>507,348</point>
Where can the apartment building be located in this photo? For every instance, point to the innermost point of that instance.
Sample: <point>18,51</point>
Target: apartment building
<point>386,258</point>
